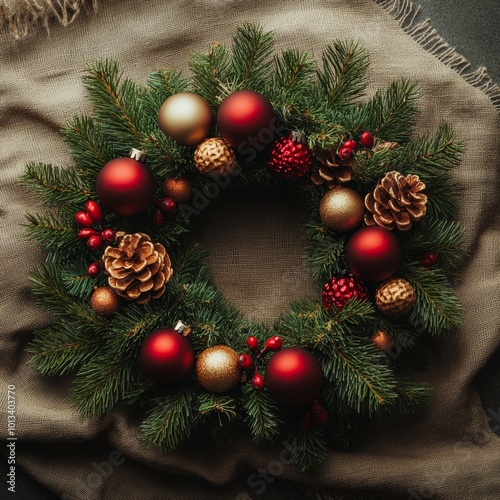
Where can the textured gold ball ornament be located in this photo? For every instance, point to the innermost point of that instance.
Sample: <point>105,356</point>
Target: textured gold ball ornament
<point>395,297</point>
<point>341,209</point>
<point>217,369</point>
<point>105,301</point>
<point>185,117</point>
<point>214,156</point>
<point>179,190</point>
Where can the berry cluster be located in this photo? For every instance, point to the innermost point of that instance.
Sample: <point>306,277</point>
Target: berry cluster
<point>347,147</point>
<point>163,206</point>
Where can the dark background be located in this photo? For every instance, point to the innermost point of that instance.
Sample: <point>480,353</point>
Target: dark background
<point>472,28</point>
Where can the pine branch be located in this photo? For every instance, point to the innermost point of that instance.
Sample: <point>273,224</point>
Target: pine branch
<point>412,397</point>
<point>306,449</point>
<point>341,77</point>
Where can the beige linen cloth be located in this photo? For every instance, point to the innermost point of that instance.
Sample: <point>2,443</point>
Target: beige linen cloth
<point>446,453</point>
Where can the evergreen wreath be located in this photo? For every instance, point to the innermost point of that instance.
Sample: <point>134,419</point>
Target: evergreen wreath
<point>132,299</point>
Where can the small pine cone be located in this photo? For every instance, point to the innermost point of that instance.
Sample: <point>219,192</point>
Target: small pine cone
<point>137,268</point>
<point>331,169</point>
<point>395,297</point>
<point>396,201</point>
<point>214,156</point>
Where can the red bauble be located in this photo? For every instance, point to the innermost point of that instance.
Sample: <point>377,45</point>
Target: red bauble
<point>366,140</point>
<point>429,259</point>
<point>293,376</point>
<point>373,254</point>
<point>166,356</point>
<point>340,289</point>
<point>125,186</point>
<point>290,158</point>
<point>246,118</point>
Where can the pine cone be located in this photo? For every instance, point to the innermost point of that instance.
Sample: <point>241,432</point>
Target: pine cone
<point>137,269</point>
<point>331,169</point>
<point>396,201</point>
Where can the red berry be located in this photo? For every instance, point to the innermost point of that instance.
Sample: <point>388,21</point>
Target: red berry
<point>108,235</point>
<point>83,219</point>
<point>305,422</point>
<point>94,242</point>
<point>94,210</point>
<point>366,140</point>
<point>274,343</point>
<point>253,343</point>
<point>167,205</point>
<point>429,259</point>
<point>95,268</point>
<point>157,218</point>
<point>245,362</point>
<point>350,144</point>
<point>86,232</point>
<point>345,153</point>
<point>322,417</point>
<point>258,381</point>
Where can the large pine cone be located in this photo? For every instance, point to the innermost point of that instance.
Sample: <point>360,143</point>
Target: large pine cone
<point>138,269</point>
<point>396,201</point>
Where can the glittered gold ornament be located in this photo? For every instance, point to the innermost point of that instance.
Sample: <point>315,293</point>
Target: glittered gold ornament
<point>395,297</point>
<point>105,301</point>
<point>217,369</point>
<point>341,209</point>
<point>179,190</point>
<point>382,340</point>
<point>214,156</point>
<point>185,117</point>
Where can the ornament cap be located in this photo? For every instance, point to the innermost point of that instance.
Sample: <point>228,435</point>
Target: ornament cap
<point>297,136</point>
<point>182,328</point>
<point>138,154</point>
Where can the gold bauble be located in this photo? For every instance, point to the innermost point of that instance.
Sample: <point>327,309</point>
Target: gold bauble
<point>217,369</point>
<point>105,301</point>
<point>214,156</point>
<point>395,297</point>
<point>185,117</point>
<point>179,190</point>
<point>341,209</point>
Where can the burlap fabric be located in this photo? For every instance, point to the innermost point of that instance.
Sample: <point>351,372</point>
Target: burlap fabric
<point>448,452</point>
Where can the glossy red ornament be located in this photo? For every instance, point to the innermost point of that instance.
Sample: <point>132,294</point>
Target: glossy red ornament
<point>293,376</point>
<point>83,219</point>
<point>350,144</point>
<point>366,140</point>
<point>85,233</point>
<point>258,382</point>
<point>94,242</point>
<point>108,235</point>
<point>95,268</point>
<point>167,205</point>
<point>290,158</point>
<point>345,153</point>
<point>274,343</point>
<point>341,289</point>
<point>253,343</point>
<point>166,356</point>
<point>245,361</point>
<point>125,186</point>
<point>246,118</point>
<point>94,210</point>
<point>373,254</point>
<point>429,259</point>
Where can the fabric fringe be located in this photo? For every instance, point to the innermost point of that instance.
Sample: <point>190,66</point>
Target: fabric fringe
<point>22,16</point>
<point>406,12</point>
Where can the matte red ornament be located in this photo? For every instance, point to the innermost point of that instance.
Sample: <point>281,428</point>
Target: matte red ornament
<point>350,144</point>
<point>293,376</point>
<point>345,153</point>
<point>373,254</point>
<point>85,233</point>
<point>341,289</point>
<point>94,242</point>
<point>94,210</point>
<point>258,382</point>
<point>167,205</point>
<point>108,235</point>
<point>83,219</point>
<point>126,186</point>
<point>366,140</point>
<point>274,343</point>
<point>246,118</point>
<point>245,361</point>
<point>95,268</point>
<point>253,343</point>
<point>429,259</point>
<point>166,356</point>
<point>290,157</point>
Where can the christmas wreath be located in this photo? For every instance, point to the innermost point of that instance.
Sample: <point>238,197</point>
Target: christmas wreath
<point>136,316</point>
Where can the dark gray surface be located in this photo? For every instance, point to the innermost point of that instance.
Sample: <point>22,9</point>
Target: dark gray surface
<point>472,28</point>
